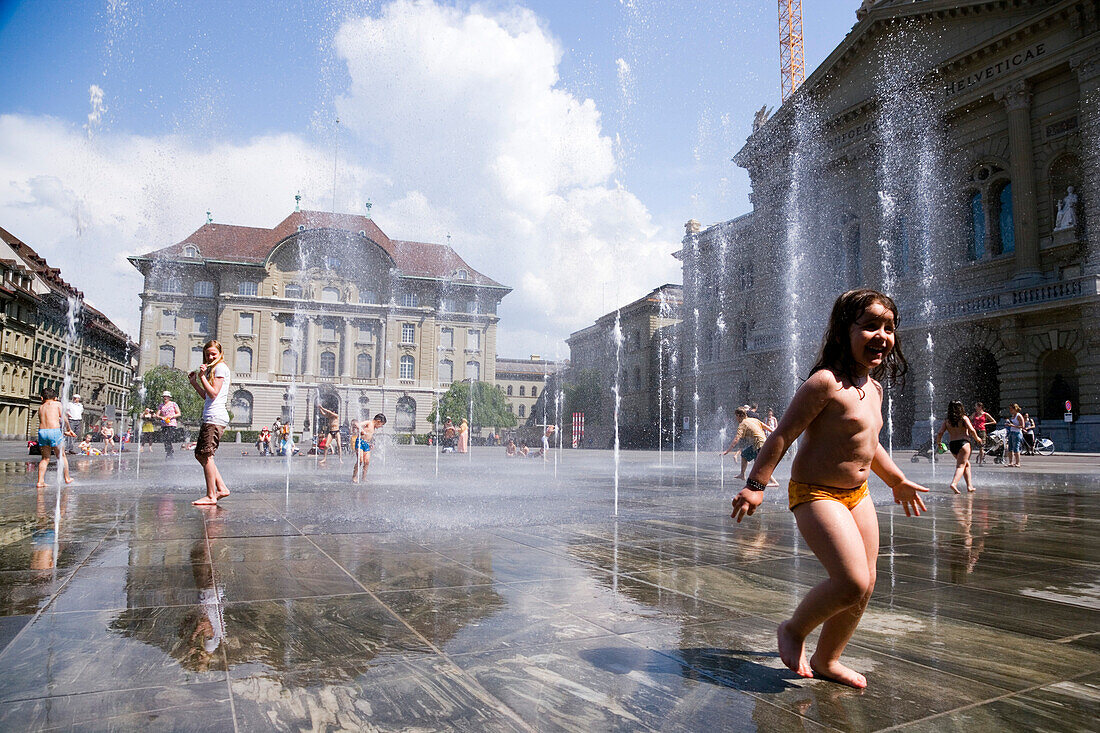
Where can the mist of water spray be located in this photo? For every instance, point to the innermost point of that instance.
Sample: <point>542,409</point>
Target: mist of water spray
<point>617,337</point>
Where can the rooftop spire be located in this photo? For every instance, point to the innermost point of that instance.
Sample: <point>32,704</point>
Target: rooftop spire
<point>368,205</point>
<point>298,201</point>
<point>209,218</point>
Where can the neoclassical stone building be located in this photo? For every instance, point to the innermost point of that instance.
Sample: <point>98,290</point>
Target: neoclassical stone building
<point>645,365</point>
<point>946,152</point>
<point>321,308</point>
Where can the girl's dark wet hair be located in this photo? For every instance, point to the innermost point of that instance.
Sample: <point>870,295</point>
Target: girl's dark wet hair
<point>955,412</point>
<point>836,347</point>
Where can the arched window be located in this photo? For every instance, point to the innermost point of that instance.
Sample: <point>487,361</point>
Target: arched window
<point>367,296</point>
<point>190,250</point>
<point>446,371</point>
<point>167,356</point>
<point>330,295</point>
<point>328,364</point>
<point>522,391</point>
<point>289,362</point>
<point>241,407</point>
<point>462,275</point>
<point>293,290</point>
<point>509,390</point>
<point>534,392</point>
<point>407,367</point>
<point>406,415</point>
<point>975,249</point>
<point>247,287</point>
<point>175,285</point>
<point>364,407</point>
<point>364,366</point>
<point>1005,241</point>
<point>523,410</point>
<point>243,362</point>
<point>473,370</point>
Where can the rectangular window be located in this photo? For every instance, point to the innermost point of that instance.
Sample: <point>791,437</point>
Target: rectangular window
<point>408,333</point>
<point>447,338</point>
<point>204,288</point>
<point>174,285</point>
<point>244,323</point>
<point>473,340</point>
<point>167,321</point>
<point>247,287</point>
<point>328,331</point>
<point>196,358</point>
<point>202,323</point>
<point>366,333</point>
<point>409,300</point>
<point>332,263</point>
<point>367,296</point>
<point>290,331</point>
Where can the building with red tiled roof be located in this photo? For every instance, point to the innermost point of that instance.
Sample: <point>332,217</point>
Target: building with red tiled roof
<point>354,320</point>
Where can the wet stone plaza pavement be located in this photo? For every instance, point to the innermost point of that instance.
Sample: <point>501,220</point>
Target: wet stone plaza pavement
<point>505,595</point>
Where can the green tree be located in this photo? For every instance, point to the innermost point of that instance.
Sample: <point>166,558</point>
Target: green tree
<point>161,378</point>
<point>490,406</point>
<point>584,394</point>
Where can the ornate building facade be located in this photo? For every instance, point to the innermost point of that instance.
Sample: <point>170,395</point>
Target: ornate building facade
<point>323,308</point>
<point>38,306</point>
<point>645,367</point>
<point>947,153</point>
<point>523,381</point>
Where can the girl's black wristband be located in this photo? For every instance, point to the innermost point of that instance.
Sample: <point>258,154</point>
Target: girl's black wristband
<point>755,485</point>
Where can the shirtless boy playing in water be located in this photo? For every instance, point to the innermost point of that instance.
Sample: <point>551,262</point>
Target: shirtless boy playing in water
<point>364,436</point>
<point>50,436</point>
<point>838,413</point>
<point>333,442</point>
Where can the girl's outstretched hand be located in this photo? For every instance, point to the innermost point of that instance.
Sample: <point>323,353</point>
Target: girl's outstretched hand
<point>907,493</point>
<point>746,502</point>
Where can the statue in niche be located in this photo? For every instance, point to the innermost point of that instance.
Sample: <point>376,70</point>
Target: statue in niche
<point>761,118</point>
<point>1067,212</point>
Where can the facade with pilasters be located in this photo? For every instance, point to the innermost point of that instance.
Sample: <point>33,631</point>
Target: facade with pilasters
<point>321,309</point>
<point>946,152</point>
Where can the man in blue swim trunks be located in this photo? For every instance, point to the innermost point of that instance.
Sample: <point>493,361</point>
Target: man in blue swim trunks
<point>50,436</point>
<point>364,436</point>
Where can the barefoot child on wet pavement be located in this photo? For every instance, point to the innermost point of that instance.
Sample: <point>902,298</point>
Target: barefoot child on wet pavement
<point>51,437</point>
<point>363,439</point>
<point>838,413</point>
<point>211,381</point>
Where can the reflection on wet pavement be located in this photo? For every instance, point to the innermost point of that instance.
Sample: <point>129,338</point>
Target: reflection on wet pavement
<point>499,597</point>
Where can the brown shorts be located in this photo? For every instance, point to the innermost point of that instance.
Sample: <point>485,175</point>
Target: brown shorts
<point>210,437</point>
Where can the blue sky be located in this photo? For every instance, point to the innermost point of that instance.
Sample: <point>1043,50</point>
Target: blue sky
<point>593,150</point>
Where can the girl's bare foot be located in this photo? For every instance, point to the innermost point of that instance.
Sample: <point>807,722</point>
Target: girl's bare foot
<point>223,494</point>
<point>969,488</point>
<point>792,650</point>
<point>837,672</point>
<point>955,489</point>
<point>68,480</point>
<point>739,476</point>
<point>205,501</point>
<point>40,486</point>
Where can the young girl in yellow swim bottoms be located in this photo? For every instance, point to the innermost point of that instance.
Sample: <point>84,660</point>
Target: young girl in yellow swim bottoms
<point>838,413</point>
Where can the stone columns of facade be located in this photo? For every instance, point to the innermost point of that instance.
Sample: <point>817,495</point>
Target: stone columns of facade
<point>349,338</point>
<point>1016,97</point>
<point>274,357</point>
<point>380,365</point>
<point>1087,68</point>
<point>307,350</point>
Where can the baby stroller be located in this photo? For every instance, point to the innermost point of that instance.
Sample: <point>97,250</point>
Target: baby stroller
<point>995,445</point>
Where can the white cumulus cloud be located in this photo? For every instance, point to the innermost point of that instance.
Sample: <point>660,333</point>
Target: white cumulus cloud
<point>455,122</point>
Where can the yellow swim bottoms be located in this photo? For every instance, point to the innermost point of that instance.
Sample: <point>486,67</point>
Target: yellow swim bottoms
<point>800,493</point>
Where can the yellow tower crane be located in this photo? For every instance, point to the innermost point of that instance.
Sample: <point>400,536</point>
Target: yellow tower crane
<point>792,58</point>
